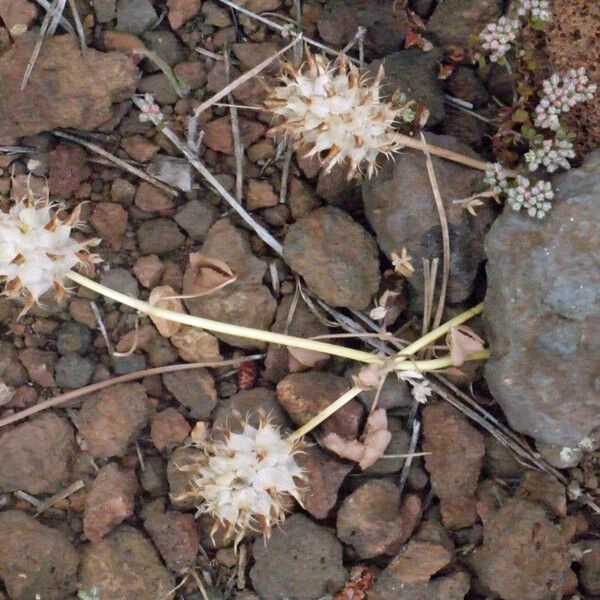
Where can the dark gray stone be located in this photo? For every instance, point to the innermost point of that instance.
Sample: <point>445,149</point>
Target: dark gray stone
<point>135,16</point>
<point>542,312</point>
<point>73,371</point>
<point>196,218</point>
<point>159,236</point>
<point>73,337</point>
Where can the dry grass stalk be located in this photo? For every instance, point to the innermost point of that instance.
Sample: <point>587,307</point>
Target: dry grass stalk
<point>235,132</point>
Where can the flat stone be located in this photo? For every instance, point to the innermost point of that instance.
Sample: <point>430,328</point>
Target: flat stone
<point>300,560</point>
<point>135,16</point>
<point>543,313</point>
<point>73,371</point>
<point>336,256</point>
<point>36,455</point>
<point>196,218</point>
<point>168,428</point>
<point>40,365</point>
<point>159,236</point>
<point>181,11</point>
<point>193,389</point>
<point>17,15</point>
<point>120,280</point>
<point>195,345</point>
<point>450,587</point>
<point>35,561</point>
<point>64,81</point>
<point>125,565</point>
<point>73,337</point>
<point>148,270</point>
<point>105,10</point>
<point>67,166</point>
<point>152,199</point>
<point>110,221</point>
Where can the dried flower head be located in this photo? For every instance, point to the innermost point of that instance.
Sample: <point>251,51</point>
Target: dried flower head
<point>331,110</point>
<point>560,95</point>
<point>497,38</point>
<point>552,154</point>
<point>538,10</point>
<point>36,249</point>
<point>245,479</point>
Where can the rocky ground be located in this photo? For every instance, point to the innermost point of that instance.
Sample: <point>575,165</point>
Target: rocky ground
<point>89,490</point>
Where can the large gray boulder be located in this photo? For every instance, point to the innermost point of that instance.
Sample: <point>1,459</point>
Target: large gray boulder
<point>542,312</point>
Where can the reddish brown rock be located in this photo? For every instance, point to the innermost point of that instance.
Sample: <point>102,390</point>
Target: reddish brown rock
<point>148,270</point>
<point>181,11</point>
<point>39,365</point>
<point>194,389</point>
<point>260,194</point>
<point>17,15</point>
<point>112,419</point>
<point>36,455</point>
<point>325,474</point>
<point>67,165</point>
<point>140,149</point>
<point>218,135</point>
<point>371,519</point>
<point>123,42</point>
<point>456,456</point>
<point>110,221</point>
<point>176,536</point>
<point>35,561</point>
<point>68,88</point>
<point>250,55</point>
<point>451,587</point>
<point>543,488</point>
<point>195,345</point>
<point>150,199</point>
<point>125,565</point>
<point>523,553</point>
<point>179,480</point>
<point>589,574</point>
<point>168,428</point>
<point>109,501</point>
<point>304,395</point>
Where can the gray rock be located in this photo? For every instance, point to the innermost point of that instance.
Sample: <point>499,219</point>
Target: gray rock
<point>196,218</point>
<point>159,86</point>
<point>73,337</point>
<point>165,45</point>
<point>12,372</point>
<point>193,389</point>
<point>400,206</point>
<point>128,364</point>
<point>336,256</point>
<point>415,73</point>
<point>105,10</point>
<point>120,280</point>
<point>542,313</point>
<point>135,16</point>
<point>35,561</point>
<point>122,191</point>
<point>455,21</point>
<point>301,560</point>
<point>73,371</point>
<point>159,236</point>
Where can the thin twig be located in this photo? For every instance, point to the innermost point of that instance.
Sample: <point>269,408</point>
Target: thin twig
<point>439,203</point>
<point>117,161</point>
<point>78,24</point>
<point>414,440</point>
<point>285,174</point>
<point>95,387</point>
<point>238,148</point>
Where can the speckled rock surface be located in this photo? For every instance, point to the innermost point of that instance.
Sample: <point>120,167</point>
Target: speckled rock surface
<point>542,312</point>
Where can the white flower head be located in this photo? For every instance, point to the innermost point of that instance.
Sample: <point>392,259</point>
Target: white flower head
<point>497,38</point>
<point>245,480</point>
<point>419,386</point>
<point>331,110</point>
<point>552,154</point>
<point>149,110</point>
<point>538,10</point>
<point>37,250</point>
<point>496,177</point>
<point>536,199</point>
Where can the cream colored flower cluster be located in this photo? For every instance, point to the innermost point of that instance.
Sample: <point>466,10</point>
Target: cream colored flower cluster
<point>37,250</point>
<point>330,111</point>
<point>245,480</point>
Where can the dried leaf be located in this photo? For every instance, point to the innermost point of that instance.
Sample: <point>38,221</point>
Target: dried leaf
<point>210,274</point>
<point>463,342</point>
<point>445,71</point>
<point>162,297</point>
<point>414,38</point>
<point>302,359</point>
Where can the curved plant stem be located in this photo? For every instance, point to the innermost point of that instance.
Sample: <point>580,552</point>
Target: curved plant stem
<point>225,328</point>
<point>95,387</point>
<point>417,365</point>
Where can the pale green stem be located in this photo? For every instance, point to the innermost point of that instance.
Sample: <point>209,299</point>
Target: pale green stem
<point>417,365</point>
<point>225,328</point>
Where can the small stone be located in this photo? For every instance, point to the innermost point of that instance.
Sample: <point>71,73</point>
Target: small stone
<point>150,199</point>
<point>336,256</point>
<point>450,587</point>
<point>196,218</point>
<point>36,455</point>
<point>123,42</point>
<point>302,200</point>
<point>68,168</point>
<point>17,15</point>
<point>168,428</point>
<point>195,345</point>
<point>64,80</point>
<point>154,477</point>
<point>260,151</point>
<point>181,11</point>
<point>215,15</point>
<point>128,364</point>
<point>193,389</point>
<point>542,488</point>
<point>463,83</point>
<point>250,55</point>
<point>12,372</point>
<point>35,561</point>
<point>176,537</point>
<point>218,135</point>
<point>304,395</point>
<point>112,419</point>
<point>159,236</point>
<point>122,191</point>
<point>456,456</point>
<point>125,565</point>
<point>109,502</point>
<point>179,480</point>
<point>81,311</point>
<point>140,149</point>
<point>105,10</point>
<point>260,194</point>
<point>148,270</point>
<point>589,573</point>
<point>120,280</point>
<point>325,474</point>
<point>370,520</point>
<point>158,86</point>
<point>73,371</point>
<point>39,365</point>
<point>110,221</point>
<point>192,73</point>
<point>135,16</point>
<point>507,541</point>
<point>300,560</point>
<point>73,337</point>
<point>165,45</point>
